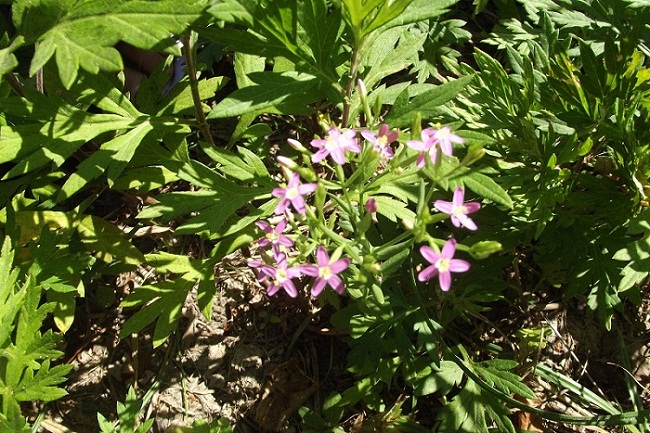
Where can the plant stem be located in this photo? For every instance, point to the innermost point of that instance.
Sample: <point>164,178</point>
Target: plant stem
<point>190,61</point>
<point>354,69</point>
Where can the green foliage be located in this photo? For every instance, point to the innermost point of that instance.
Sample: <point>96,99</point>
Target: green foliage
<point>128,414</point>
<point>82,35</point>
<point>551,112</point>
<point>26,373</point>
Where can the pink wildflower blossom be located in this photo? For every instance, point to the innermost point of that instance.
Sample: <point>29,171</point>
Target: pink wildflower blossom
<point>426,146</point>
<point>273,235</point>
<point>382,140</point>
<point>293,193</point>
<point>442,264</point>
<point>280,276</point>
<point>431,140</point>
<point>335,143</point>
<point>326,272</point>
<point>458,210</point>
<point>444,137</point>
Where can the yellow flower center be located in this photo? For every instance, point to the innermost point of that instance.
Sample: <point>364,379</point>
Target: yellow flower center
<point>382,141</point>
<point>280,276</point>
<point>273,237</point>
<point>330,144</point>
<point>443,265</point>
<point>325,272</point>
<point>459,210</point>
<point>292,193</point>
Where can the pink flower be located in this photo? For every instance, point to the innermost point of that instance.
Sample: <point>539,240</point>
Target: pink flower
<point>431,140</point>
<point>426,146</point>
<point>442,264</point>
<point>326,272</point>
<point>335,144</point>
<point>293,193</point>
<point>381,140</point>
<point>273,235</point>
<point>280,276</point>
<point>458,210</point>
<point>444,137</point>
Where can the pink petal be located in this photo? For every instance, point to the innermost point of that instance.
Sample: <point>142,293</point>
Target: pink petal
<point>322,258</point>
<point>467,222</point>
<point>318,143</point>
<point>290,288</point>
<point>318,287</point>
<point>420,162</point>
<point>368,135</point>
<point>320,155</point>
<point>307,188</point>
<point>310,270</point>
<point>444,206</point>
<point>459,196</point>
<point>430,255</point>
<point>428,273</point>
<point>338,155</point>
<point>472,206</point>
<point>449,249</point>
<point>282,206</point>
<point>340,265</point>
<point>455,220</point>
<point>445,281</point>
<point>392,137</point>
<point>272,289</point>
<point>337,284</point>
<point>383,129</point>
<point>458,265</point>
<point>417,145</point>
<point>298,204</point>
<point>264,226</point>
<point>279,192</point>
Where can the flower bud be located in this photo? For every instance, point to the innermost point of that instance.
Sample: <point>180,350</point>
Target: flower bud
<point>287,163</point>
<point>296,145</point>
<point>371,205</point>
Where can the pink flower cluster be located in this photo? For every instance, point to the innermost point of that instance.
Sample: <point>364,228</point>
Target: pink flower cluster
<point>281,276</point>
<point>443,264</point>
<point>275,269</point>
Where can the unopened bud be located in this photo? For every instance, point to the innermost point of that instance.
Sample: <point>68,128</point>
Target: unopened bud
<point>287,163</point>
<point>296,145</point>
<point>408,224</point>
<point>371,205</point>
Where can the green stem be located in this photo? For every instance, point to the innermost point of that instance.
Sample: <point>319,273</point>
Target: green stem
<point>190,60</point>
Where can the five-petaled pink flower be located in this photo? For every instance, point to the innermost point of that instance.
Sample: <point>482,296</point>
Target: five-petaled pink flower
<point>326,272</point>
<point>280,276</point>
<point>273,235</point>
<point>426,146</point>
<point>442,264</point>
<point>458,210</point>
<point>382,140</point>
<point>444,137</point>
<point>431,140</point>
<point>293,193</point>
<point>335,143</point>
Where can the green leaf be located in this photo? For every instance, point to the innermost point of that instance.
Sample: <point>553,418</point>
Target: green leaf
<point>83,34</point>
<point>162,302</point>
<point>441,379</point>
<point>42,385</point>
<point>404,112</point>
<point>289,90</point>
<point>111,158</point>
<point>247,168</point>
<point>8,60</point>
<point>486,187</point>
<point>392,209</point>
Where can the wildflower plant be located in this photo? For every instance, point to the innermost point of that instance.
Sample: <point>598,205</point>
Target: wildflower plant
<point>366,167</point>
